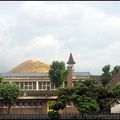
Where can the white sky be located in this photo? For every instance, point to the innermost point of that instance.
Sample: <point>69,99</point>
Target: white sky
<point>48,30</point>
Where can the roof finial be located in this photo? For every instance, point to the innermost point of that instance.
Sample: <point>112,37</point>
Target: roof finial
<point>71,60</point>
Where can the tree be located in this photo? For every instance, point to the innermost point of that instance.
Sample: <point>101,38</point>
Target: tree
<point>57,73</point>
<point>58,105</point>
<point>106,76</point>
<point>1,79</point>
<point>116,92</point>
<point>54,115</point>
<point>85,105</point>
<point>104,96</point>
<point>10,93</point>
<point>89,97</point>
<point>80,96</point>
<point>115,70</point>
<point>1,85</point>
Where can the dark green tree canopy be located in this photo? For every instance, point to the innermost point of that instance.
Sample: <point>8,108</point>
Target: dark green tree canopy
<point>107,75</point>
<point>58,105</point>
<point>115,70</point>
<point>10,93</point>
<point>58,73</point>
<point>1,78</point>
<point>89,96</point>
<point>85,104</point>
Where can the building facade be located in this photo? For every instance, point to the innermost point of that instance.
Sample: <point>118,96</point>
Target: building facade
<point>36,90</point>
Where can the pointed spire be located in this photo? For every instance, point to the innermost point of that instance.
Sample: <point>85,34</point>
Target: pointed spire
<point>71,61</point>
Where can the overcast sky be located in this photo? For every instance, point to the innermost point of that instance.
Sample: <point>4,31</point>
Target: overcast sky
<point>49,31</point>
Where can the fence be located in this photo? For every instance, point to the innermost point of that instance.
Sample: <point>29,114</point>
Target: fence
<point>68,116</point>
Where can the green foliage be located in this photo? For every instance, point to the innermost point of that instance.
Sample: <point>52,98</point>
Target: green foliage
<point>1,79</point>
<point>65,94</point>
<point>10,92</point>
<point>116,91</point>
<point>107,75</point>
<point>104,96</point>
<point>88,88</point>
<point>57,105</point>
<point>54,115</point>
<point>85,104</point>
<point>115,70</point>
<point>89,96</point>
<point>1,86</point>
<point>58,73</point>
<point>105,99</point>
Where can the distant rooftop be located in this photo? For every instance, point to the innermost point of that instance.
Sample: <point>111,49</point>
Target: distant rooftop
<point>76,74</point>
<point>81,74</point>
<point>97,78</point>
<point>36,68</point>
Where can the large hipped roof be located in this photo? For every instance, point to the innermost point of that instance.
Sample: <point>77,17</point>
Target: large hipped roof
<point>31,66</point>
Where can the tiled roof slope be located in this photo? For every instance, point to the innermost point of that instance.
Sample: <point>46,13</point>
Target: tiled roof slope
<point>115,80</point>
<point>81,74</point>
<point>31,66</point>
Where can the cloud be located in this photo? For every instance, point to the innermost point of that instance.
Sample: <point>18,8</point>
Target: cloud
<point>44,47</point>
<point>43,42</point>
<point>77,24</point>
<point>43,9</point>
<point>47,30</point>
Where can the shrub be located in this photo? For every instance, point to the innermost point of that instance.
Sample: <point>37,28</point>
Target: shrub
<point>54,115</point>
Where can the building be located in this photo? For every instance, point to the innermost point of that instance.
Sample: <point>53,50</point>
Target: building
<point>115,80</point>
<point>97,78</point>
<point>36,90</point>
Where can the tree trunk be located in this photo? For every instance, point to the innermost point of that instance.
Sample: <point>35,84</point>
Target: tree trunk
<point>9,109</point>
<point>83,115</point>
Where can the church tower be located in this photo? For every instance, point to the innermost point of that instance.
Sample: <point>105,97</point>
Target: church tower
<point>70,63</point>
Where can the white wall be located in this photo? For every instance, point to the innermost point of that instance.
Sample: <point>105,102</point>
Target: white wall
<point>115,109</point>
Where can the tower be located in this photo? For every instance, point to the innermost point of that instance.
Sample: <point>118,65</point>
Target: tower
<point>70,63</point>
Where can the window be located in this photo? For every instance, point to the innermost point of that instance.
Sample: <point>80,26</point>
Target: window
<point>46,86</point>
<point>27,85</point>
<point>52,86</point>
<point>34,85</point>
<point>21,86</point>
<point>40,85</point>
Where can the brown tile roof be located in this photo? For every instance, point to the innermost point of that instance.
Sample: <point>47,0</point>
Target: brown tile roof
<point>31,66</point>
<point>114,80</point>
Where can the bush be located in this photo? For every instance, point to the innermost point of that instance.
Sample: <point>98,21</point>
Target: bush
<point>54,115</point>
<point>57,106</point>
